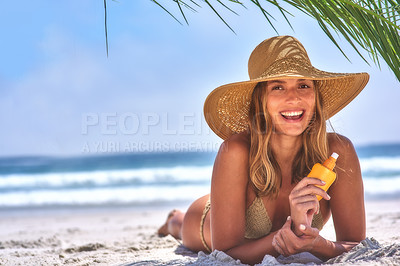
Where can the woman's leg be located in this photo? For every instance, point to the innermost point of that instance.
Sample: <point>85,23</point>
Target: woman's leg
<point>186,226</point>
<point>173,225</point>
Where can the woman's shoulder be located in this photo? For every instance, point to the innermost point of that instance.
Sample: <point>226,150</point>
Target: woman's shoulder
<point>339,143</point>
<point>231,163</point>
<point>343,146</point>
<point>237,145</point>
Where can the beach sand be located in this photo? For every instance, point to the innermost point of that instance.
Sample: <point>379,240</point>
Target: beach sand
<point>127,236</point>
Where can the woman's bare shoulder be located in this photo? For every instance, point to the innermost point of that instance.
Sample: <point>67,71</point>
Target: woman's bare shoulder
<point>237,145</point>
<point>232,160</point>
<point>348,164</point>
<point>340,144</point>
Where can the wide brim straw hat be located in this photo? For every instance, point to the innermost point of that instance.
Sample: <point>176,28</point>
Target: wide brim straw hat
<point>227,107</point>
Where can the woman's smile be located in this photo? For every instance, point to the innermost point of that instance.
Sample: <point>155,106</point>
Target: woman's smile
<point>292,116</point>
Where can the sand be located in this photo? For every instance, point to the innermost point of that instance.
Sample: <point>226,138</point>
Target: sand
<point>127,236</point>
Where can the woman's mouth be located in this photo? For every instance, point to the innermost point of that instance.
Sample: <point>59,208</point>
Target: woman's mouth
<point>292,115</point>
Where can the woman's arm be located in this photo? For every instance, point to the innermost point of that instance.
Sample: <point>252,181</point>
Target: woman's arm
<point>326,249</point>
<point>347,201</point>
<point>286,242</point>
<point>347,193</point>
<point>228,204</point>
<point>347,207</point>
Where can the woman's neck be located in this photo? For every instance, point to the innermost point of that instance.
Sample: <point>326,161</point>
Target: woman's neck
<point>285,148</point>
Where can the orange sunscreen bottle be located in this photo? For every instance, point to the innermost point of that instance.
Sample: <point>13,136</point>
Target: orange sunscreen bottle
<point>324,172</point>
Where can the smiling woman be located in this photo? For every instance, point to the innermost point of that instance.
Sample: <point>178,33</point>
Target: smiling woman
<point>261,201</point>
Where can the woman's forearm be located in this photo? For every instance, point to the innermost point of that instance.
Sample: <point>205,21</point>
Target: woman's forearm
<point>325,249</point>
<point>253,251</point>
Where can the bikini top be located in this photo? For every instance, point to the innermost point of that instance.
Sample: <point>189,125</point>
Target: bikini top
<point>258,223</point>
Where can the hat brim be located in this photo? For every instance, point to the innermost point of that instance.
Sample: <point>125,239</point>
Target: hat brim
<point>226,107</point>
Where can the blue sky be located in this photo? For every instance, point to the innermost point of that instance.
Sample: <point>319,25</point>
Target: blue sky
<point>61,95</point>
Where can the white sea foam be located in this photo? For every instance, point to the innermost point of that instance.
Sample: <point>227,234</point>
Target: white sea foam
<point>380,186</point>
<point>380,164</point>
<point>107,177</point>
<point>101,196</point>
<point>105,187</point>
<point>145,194</point>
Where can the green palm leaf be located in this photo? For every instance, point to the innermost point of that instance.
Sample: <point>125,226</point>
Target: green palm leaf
<point>372,25</point>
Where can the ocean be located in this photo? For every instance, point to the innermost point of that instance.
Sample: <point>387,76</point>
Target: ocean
<point>150,178</point>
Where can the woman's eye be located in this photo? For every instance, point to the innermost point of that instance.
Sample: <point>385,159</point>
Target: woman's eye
<point>304,86</point>
<point>277,88</point>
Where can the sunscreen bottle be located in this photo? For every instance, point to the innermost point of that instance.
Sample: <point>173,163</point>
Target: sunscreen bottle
<point>324,172</point>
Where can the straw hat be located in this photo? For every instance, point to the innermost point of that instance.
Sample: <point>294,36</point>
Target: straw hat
<point>226,108</point>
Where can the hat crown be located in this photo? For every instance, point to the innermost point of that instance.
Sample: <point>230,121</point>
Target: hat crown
<point>273,50</point>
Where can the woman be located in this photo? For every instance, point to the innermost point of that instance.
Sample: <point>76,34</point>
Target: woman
<point>274,128</point>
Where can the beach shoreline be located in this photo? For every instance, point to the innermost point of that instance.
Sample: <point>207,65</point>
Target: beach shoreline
<point>126,235</point>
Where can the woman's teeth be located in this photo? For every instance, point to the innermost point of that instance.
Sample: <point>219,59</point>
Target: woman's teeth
<point>292,114</point>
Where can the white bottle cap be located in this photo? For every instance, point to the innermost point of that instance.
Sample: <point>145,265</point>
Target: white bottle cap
<point>335,155</point>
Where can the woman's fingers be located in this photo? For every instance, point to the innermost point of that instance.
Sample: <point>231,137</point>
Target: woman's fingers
<point>310,181</point>
<point>304,198</point>
<point>306,203</point>
<point>278,243</point>
<point>310,189</point>
<point>307,186</point>
<point>288,223</point>
<point>287,243</point>
<point>309,231</point>
<point>277,247</point>
<point>287,240</point>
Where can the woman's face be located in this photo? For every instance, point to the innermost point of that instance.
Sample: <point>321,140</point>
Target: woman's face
<point>291,105</point>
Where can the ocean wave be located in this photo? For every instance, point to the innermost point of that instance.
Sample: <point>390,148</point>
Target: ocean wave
<point>102,196</point>
<point>107,178</point>
<point>383,164</point>
<point>381,176</point>
<point>376,188</point>
<point>380,186</point>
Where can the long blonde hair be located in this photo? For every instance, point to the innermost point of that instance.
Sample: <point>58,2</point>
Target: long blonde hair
<point>265,173</point>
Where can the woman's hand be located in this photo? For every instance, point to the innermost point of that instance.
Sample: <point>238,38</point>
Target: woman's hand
<point>287,243</point>
<point>304,203</point>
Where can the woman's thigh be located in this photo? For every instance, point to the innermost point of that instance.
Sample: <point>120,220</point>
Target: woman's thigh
<point>191,226</point>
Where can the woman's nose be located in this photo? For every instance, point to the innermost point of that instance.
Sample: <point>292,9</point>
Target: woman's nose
<point>292,95</point>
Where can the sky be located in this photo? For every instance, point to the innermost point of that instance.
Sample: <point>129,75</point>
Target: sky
<point>60,95</point>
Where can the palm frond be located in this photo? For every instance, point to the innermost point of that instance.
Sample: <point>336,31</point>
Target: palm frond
<point>154,1</point>
<point>105,24</point>
<point>180,9</point>
<point>373,25</point>
<point>227,7</point>
<point>266,14</point>
<point>215,11</point>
